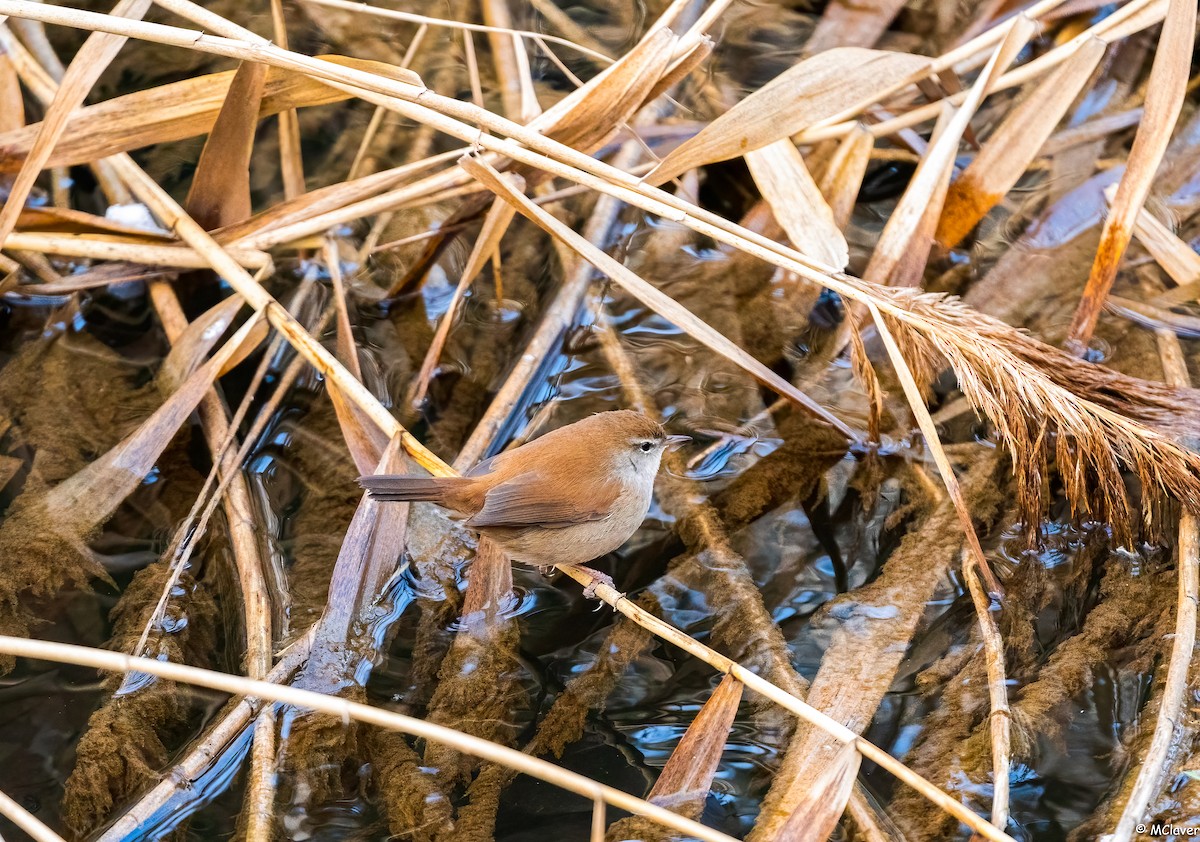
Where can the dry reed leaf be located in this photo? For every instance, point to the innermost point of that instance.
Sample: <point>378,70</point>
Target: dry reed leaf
<point>173,112</point>
<point>344,348</point>
<point>495,224</point>
<point>220,191</point>
<point>191,347</point>
<point>816,816</point>
<point>1178,259</point>
<point>657,301</point>
<point>852,23</point>
<point>368,556</point>
<point>365,441</point>
<point>834,85</point>
<point>54,220</point>
<point>681,68</point>
<point>88,497</point>
<point>1013,146</point>
<point>843,176</point>
<point>93,57</point>
<point>686,778</point>
<point>588,117</point>
<point>1165,91</point>
<point>903,248</point>
<point>782,178</point>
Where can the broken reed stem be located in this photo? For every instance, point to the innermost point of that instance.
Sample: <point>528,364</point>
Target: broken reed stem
<point>354,711</point>
<point>234,494</point>
<point>999,717</point>
<point>1172,709</point>
<point>26,820</point>
<point>803,710</point>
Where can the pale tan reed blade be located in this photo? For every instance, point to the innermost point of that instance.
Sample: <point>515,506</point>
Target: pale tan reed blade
<point>815,818</point>
<point>688,772</point>
<point>903,249</point>
<point>170,112</point>
<point>843,176</point>
<point>355,711</point>
<point>834,85</point>
<point>97,51</point>
<point>220,191</point>
<point>649,295</point>
<point>1008,152</point>
<point>1165,93</point>
<point>779,172</point>
<point>1178,259</point>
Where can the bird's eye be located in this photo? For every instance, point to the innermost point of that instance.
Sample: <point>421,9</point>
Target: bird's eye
<point>646,447</point>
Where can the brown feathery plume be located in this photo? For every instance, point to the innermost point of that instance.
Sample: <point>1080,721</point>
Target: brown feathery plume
<point>1038,398</point>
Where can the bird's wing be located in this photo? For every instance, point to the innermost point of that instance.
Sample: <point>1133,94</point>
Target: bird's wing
<point>529,500</point>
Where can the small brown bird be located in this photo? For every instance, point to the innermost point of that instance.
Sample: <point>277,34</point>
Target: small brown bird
<point>567,497</point>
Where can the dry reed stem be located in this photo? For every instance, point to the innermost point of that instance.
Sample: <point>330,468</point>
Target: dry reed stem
<point>999,720</point>
<point>256,608</point>
<point>999,717</point>
<point>1168,724</point>
<point>106,247</point>
<point>1166,89</point>
<point>1014,144</point>
<point>903,248</point>
<point>758,684</point>
<point>357,712</point>
<point>291,162</point>
<point>26,821</point>
<point>650,295</point>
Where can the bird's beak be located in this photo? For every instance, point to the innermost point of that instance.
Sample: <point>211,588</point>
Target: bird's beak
<point>675,441</point>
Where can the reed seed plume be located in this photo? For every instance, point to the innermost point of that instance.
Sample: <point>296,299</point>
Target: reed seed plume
<point>1046,405</point>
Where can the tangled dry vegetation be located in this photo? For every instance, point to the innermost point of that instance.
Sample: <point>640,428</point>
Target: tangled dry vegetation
<point>918,276</point>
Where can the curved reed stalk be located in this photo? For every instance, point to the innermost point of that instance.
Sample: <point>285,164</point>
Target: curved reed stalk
<point>354,711</point>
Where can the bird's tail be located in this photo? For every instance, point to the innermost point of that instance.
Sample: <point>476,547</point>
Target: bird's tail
<point>406,488</point>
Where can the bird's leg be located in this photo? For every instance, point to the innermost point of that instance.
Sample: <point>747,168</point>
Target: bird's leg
<point>598,579</point>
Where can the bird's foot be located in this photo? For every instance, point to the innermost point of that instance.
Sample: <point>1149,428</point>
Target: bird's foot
<point>546,570</point>
<point>598,579</point>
